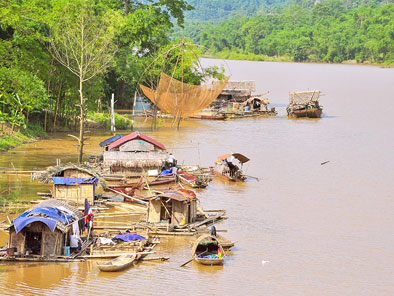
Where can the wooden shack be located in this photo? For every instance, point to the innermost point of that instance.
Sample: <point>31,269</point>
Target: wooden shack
<point>43,229</point>
<point>235,91</point>
<point>176,207</point>
<point>74,184</point>
<point>134,155</point>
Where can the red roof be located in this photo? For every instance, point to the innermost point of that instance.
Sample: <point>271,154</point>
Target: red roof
<point>133,136</point>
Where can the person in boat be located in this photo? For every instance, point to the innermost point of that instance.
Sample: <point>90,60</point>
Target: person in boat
<point>232,167</point>
<point>171,160</point>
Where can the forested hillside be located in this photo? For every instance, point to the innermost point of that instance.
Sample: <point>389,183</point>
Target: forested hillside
<point>330,31</point>
<point>216,10</point>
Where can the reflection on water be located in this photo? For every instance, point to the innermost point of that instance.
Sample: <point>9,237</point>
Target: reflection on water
<point>325,230</point>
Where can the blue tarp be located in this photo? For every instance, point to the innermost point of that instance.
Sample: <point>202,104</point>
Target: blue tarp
<point>46,215</point>
<point>73,181</point>
<point>166,173</point>
<point>21,222</point>
<point>110,140</point>
<point>128,237</point>
<point>48,212</point>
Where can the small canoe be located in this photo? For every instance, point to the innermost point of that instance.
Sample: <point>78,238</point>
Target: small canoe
<point>120,263</point>
<point>210,261</point>
<point>207,250</point>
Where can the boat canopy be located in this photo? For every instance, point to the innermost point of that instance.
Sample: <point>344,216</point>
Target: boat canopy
<point>304,97</point>
<point>239,156</point>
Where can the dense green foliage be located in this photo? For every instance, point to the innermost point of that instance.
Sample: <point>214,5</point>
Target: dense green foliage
<point>331,31</point>
<point>36,86</point>
<point>122,122</point>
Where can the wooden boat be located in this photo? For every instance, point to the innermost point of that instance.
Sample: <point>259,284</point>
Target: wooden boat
<point>307,112</point>
<point>226,168</point>
<point>190,180</point>
<point>205,250</point>
<point>209,114</point>
<point>120,263</point>
<point>304,104</point>
<point>226,244</point>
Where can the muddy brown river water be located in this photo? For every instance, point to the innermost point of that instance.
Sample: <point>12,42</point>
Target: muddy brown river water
<point>304,229</point>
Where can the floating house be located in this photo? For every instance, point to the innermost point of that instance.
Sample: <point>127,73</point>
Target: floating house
<point>175,207</point>
<point>135,155</point>
<point>72,182</point>
<point>236,91</point>
<point>44,229</point>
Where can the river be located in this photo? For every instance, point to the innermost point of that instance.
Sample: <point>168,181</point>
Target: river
<point>304,229</point>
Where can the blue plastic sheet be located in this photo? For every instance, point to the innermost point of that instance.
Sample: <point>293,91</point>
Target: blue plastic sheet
<point>110,140</point>
<point>73,181</point>
<point>48,212</point>
<point>166,172</point>
<point>128,237</point>
<point>46,215</point>
<point>22,222</point>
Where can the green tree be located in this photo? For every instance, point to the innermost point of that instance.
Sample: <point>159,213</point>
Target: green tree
<point>82,41</point>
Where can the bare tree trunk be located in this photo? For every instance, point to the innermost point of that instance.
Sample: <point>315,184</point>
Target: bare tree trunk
<point>121,91</point>
<point>57,106</point>
<point>126,7</point>
<point>81,123</point>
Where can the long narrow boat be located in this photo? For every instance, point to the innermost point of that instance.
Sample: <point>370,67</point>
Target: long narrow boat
<point>207,250</point>
<point>226,168</point>
<point>190,180</point>
<point>120,263</point>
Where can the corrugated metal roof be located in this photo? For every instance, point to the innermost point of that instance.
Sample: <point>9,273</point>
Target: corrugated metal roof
<point>133,136</point>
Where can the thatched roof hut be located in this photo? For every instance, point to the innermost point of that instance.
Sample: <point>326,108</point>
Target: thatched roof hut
<point>42,229</point>
<point>304,97</point>
<point>73,182</point>
<point>135,153</point>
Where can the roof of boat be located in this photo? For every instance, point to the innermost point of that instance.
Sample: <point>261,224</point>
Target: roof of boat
<point>239,156</point>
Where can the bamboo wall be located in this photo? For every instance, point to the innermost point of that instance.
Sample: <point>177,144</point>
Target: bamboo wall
<point>137,145</point>
<point>76,193</point>
<point>154,211</point>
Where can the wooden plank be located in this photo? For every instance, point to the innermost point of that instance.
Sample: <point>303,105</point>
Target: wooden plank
<point>98,256</point>
<point>209,220</point>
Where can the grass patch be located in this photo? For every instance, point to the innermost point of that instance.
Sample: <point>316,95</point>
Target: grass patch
<point>233,55</point>
<point>19,137</point>
<point>122,122</point>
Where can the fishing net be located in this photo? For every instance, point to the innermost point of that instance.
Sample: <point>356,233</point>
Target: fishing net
<point>304,97</point>
<point>181,99</point>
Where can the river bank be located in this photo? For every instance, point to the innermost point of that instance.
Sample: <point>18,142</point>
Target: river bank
<point>10,138</point>
<point>251,57</point>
